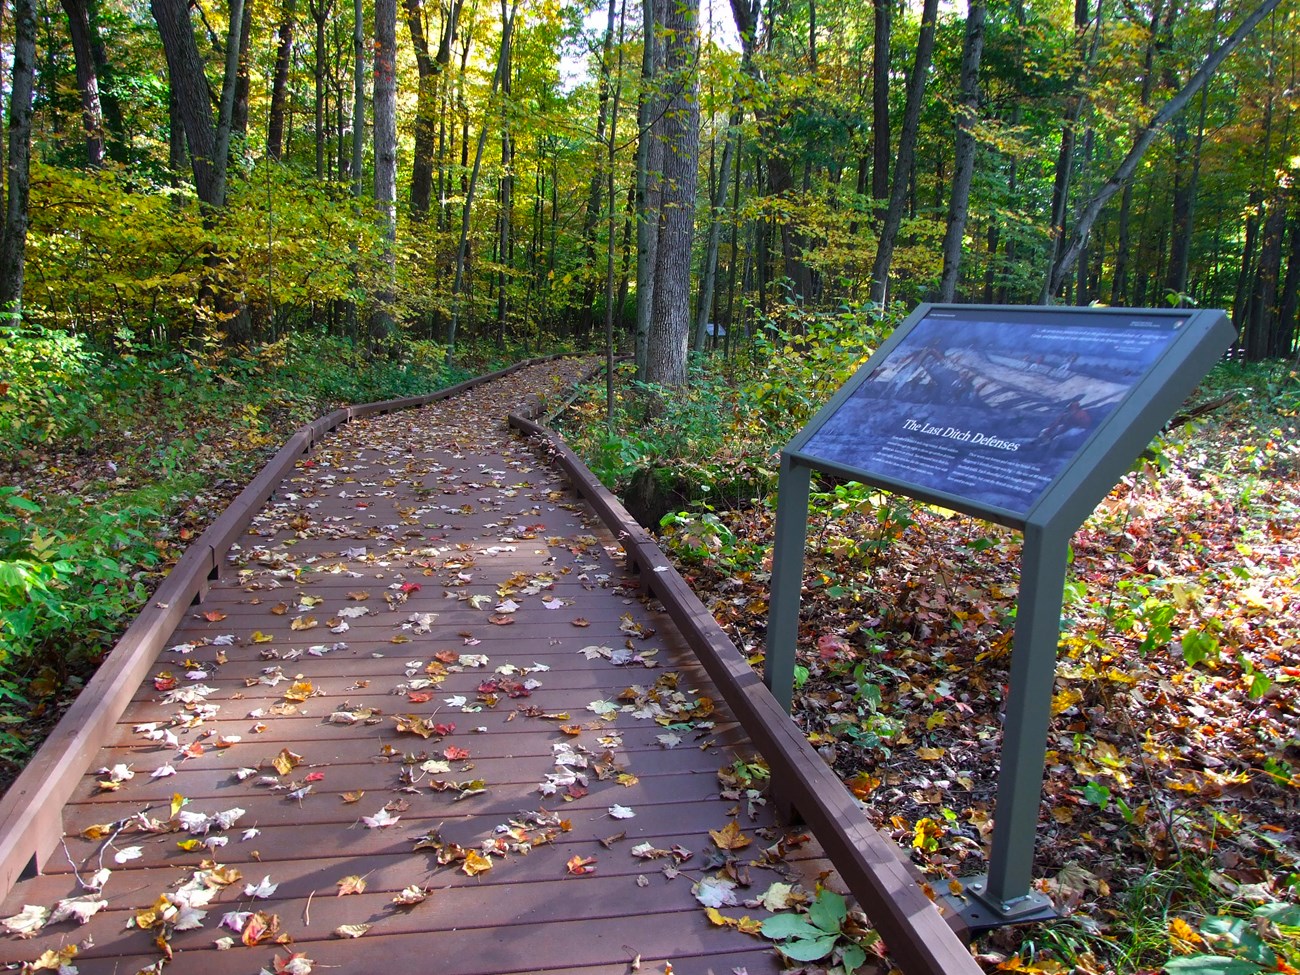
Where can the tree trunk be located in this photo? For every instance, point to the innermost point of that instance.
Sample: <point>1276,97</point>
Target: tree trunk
<point>430,69</point>
<point>906,154</point>
<point>190,87</point>
<point>239,109</point>
<point>596,185</point>
<point>458,281</point>
<point>1088,215</point>
<point>280,80</point>
<point>1290,303</point>
<point>381,318</point>
<point>671,316</point>
<point>320,12</point>
<point>13,237</point>
<point>967,111</point>
<point>506,193</point>
<point>92,113</point>
<point>358,99</point>
<point>175,131</point>
<point>108,100</point>
<point>1261,323</point>
<point>880,145</point>
<point>649,185</point>
<point>709,270</point>
<point>612,148</point>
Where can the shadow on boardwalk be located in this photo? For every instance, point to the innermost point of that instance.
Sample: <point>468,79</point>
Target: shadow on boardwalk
<point>423,724</point>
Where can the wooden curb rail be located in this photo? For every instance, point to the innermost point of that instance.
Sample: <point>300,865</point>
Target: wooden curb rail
<point>917,935</point>
<point>31,812</point>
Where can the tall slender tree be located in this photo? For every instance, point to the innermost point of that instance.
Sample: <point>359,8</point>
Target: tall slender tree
<point>967,112</point>
<point>13,240</point>
<point>385,98</point>
<point>92,112</point>
<point>280,78</point>
<point>906,153</point>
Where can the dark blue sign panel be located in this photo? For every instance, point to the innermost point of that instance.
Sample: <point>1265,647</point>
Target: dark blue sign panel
<point>989,404</point>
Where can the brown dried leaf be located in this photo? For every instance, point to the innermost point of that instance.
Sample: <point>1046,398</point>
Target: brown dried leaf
<point>351,884</point>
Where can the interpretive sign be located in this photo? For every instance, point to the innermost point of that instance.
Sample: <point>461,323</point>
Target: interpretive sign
<point>989,405</point>
<point>1022,416</point>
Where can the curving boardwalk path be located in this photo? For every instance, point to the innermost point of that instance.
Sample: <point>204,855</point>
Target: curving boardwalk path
<point>425,722</point>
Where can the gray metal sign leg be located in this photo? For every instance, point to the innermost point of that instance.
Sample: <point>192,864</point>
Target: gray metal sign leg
<point>1005,893</point>
<point>787,579</point>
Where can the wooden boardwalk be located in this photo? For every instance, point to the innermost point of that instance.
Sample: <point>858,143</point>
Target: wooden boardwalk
<point>424,705</point>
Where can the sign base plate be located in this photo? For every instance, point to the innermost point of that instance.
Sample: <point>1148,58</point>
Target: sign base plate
<point>979,912</point>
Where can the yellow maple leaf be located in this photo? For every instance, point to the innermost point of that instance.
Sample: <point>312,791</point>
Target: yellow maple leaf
<point>286,761</point>
<point>730,837</point>
<point>475,863</point>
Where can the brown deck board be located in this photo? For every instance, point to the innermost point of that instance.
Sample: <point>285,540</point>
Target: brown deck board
<point>395,484</point>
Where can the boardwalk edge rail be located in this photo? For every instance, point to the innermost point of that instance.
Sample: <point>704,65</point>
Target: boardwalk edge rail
<point>31,820</point>
<point>918,936</point>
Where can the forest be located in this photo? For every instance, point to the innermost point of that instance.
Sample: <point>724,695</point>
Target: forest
<point>191,173</point>
<point>225,218</point>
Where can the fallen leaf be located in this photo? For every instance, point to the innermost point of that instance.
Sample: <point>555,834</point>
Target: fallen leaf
<point>351,930</point>
<point>730,837</point>
<point>263,890</point>
<point>352,884</point>
<point>579,865</point>
<point>475,863</point>
<point>380,819</point>
<point>410,896</point>
<point>26,922</point>
<point>715,892</point>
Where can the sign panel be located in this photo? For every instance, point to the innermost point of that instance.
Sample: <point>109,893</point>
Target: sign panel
<point>988,404</point>
<point>1024,416</point>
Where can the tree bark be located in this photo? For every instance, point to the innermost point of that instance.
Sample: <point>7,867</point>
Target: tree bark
<point>906,154</point>
<point>649,185</point>
<point>1088,215</point>
<point>193,105</point>
<point>458,281</point>
<point>1290,303</point>
<point>506,195</point>
<point>959,201</point>
<point>709,269</point>
<point>431,70</point>
<point>1261,322</point>
<point>385,99</point>
<point>280,80</point>
<point>320,12</point>
<point>671,315</point>
<point>596,185</point>
<point>13,237</point>
<point>239,109</point>
<point>358,98</point>
<point>92,112</point>
<point>880,142</point>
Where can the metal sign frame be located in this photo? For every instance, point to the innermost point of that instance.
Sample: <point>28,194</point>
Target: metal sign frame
<point>1069,485</point>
